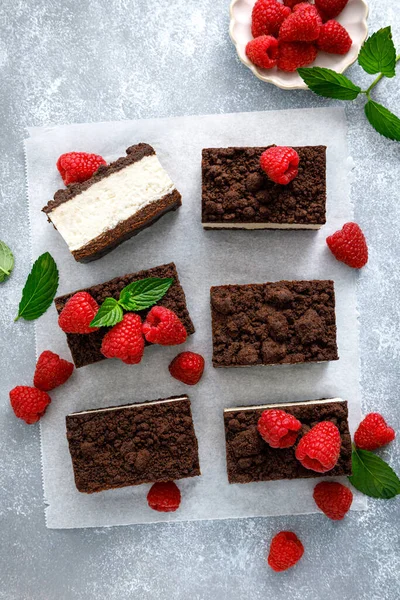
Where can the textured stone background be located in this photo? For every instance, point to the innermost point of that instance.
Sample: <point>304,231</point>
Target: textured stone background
<point>91,60</point>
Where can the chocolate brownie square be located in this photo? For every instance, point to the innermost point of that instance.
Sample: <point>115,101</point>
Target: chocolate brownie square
<point>250,458</point>
<point>237,194</point>
<point>85,349</point>
<point>133,444</point>
<point>286,322</point>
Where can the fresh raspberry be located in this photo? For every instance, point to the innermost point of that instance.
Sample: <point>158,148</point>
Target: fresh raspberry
<point>263,51</point>
<point>163,327</point>
<point>78,166</point>
<point>334,38</point>
<point>187,367</point>
<point>319,449</point>
<point>330,8</point>
<point>78,313</point>
<point>303,25</point>
<point>278,428</point>
<point>267,17</point>
<point>373,432</point>
<point>292,3</point>
<point>125,340</point>
<point>164,497</point>
<point>51,371</point>
<point>29,403</point>
<point>280,163</point>
<point>349,246</point>
<point>333,498</point>
<point>285,551</point>
<point>293,55</point>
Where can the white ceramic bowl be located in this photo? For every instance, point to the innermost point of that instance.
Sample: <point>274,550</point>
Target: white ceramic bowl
<point>353,18</point>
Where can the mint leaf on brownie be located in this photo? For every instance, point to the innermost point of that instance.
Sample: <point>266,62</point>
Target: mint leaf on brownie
<point>6,261</point>
<point>144,293</point>
<point>110,313</point>
<point>373,476</point>
<point>40,288</point>
<point>378,54</point>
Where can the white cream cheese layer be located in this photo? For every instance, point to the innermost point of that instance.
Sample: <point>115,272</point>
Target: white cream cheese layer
<point>260,226</point>
<point>282,404</point>
<point>110,201</point>
<point>147,404</point>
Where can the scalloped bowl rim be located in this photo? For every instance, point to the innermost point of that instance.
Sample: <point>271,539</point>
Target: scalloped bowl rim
<point>299,84</point>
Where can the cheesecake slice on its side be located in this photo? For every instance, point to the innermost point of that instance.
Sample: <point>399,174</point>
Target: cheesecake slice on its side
<point>117,202</point>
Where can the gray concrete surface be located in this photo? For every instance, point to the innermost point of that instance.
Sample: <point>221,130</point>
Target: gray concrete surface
<point>97,60</point>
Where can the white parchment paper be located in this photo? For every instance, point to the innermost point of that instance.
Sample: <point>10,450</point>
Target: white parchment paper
<point>203,259</point>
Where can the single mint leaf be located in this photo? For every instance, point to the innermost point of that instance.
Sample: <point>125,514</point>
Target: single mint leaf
<point>144,293</point>
<point>40,288</point>
<point>109,314</point>
<point>378,54</point>
<point>328,83</point>
<point>373,476</point>
<point>6,261</point>
<point>384,121</point>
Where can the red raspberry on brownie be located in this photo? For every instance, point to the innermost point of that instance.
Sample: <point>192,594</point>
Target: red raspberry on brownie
<point>125,340</point>
<point>280,163</point>
<point>267,17</point>
<point>373,432</point>
<point>164,497</point>
<point>78,166</point>
<point>278,428</point>
<point>162,326</point>
<point>333,498</point>
<point>78,313</point>
<point>319,449</point>
<point>187,367</point>
<point>29,403</point>
<point>51,371</point>
<point>285,551</point>
<point>293,55</point>
<point>349,246</point>
<point>263,51</point>
<point>303,25</point>
<point>333,38</point>
<point>330,8</point>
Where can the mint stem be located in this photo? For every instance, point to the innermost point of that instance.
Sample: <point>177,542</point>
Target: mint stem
<point>4,271</point>
<point>377,80</point>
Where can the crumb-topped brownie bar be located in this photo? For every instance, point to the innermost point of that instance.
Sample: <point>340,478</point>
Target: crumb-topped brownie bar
<point>133,444</point>
<point>273,323</point>
<point>250,458</point>
<point>85,349</point>
<point>116,203</point>
<point>237,194</point>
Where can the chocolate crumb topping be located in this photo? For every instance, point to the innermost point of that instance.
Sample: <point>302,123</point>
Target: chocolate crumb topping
<point>236,190</point>
<point>273,323</point>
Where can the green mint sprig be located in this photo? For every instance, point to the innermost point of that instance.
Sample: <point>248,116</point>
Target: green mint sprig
<point>6,261</point>
<point>377,55</point>
<point>373,476</point>
<point>40,288</point>
<point>136,296</point>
